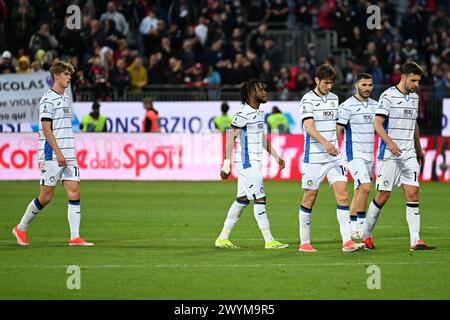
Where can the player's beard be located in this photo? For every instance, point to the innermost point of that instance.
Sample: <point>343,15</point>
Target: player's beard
<point>411,90</point>
<point>361,94</point>
<point>261,99</point>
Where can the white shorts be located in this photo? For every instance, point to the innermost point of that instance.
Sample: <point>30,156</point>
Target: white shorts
<point>250,183</point>
<point>391,174</point>
<point>314,173</point>
<point>361,171</point>
<point>51,172</point>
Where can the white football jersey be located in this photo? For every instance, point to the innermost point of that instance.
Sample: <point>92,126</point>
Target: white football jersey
<point>324,112</point>
<point>357,118</point>
<point>401,112</point>
<point>249,143</point>
<point>58,108</point>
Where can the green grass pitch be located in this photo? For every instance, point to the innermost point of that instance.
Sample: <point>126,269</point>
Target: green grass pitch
<point>154,240</point>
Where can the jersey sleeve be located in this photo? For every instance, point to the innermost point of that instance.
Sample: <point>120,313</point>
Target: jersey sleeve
<point>306,108</point>
<point>343,115</point>
<point>384,105</point>
<point>46,109</point>
<point>239,120</point>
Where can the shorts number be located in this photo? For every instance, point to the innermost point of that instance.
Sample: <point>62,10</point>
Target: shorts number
<point>415,175</point>
<point>77,171</point>
<point>343,170</point>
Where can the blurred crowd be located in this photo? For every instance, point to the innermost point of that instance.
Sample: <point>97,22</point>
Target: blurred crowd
<point>131,44</point>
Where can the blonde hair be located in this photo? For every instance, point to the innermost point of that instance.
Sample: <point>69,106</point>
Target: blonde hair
<point>59,66</point>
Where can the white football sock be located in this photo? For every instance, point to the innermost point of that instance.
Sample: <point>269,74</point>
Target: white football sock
<point>343,217</point>
<point>371,219</point>
<point>305,224</point>
<point>361,220</point>
<point>34,207</point>
<point>259,210</point>
<point>234,213</point>
<point>74,216</point>
<point>354,223</point>
<point>413,218</point>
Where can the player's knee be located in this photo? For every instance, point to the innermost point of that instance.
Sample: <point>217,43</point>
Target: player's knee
<point>44,200</point>
<point>73,195</point>
<point>412,196</point>
<point>309,197</point>
<point>382,197</point>
<point>342,198</point>
<point>364,188</point>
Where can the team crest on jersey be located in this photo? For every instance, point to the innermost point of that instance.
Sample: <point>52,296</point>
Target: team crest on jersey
<point>66,111</point>
<point>333,104</point>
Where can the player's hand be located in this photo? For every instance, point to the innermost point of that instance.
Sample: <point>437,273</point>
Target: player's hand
<point>420,157</point>
<point>226,169</point>
<point>224,175</point>
<point>61,160</point>
<point>394,149</point>
<point>281,163</point>
<point>331,149</point>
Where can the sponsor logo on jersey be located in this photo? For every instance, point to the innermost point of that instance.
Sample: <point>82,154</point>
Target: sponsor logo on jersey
<point>328,115</point>
<point>408,113</point>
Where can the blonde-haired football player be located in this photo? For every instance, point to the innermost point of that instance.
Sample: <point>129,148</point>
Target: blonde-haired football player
<point>57,156</point>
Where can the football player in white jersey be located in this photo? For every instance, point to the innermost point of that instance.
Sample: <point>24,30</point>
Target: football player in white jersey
<point>321,158</point>
<point>247,128</point>
<point>356,118</point>
<point>400,153</point>
<point>57,156</point>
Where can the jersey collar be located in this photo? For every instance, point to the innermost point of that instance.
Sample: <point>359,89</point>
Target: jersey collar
<point>365,104</point>
<point>323,98</point>
<point>406,96</point>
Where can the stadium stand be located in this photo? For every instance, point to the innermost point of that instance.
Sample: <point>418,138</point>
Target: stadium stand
<point>202,50</point>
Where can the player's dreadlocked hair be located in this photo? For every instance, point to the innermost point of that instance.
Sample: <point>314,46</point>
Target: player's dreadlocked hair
<point>249,87</point>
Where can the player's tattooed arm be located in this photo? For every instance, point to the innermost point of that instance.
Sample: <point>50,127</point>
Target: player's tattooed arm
<point>309,126</point>
<point>268,146</point>
<point>378,126</point>
<point>231,134</point>
<point>47,130</point>
<point>417,146</point>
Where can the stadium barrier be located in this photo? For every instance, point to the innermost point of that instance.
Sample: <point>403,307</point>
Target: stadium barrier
<point>113,156</point>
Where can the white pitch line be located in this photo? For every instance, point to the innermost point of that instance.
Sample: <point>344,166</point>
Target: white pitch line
<point>199,266</point>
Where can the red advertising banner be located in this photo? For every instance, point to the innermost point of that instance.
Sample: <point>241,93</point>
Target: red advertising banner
<point>112,156</point>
